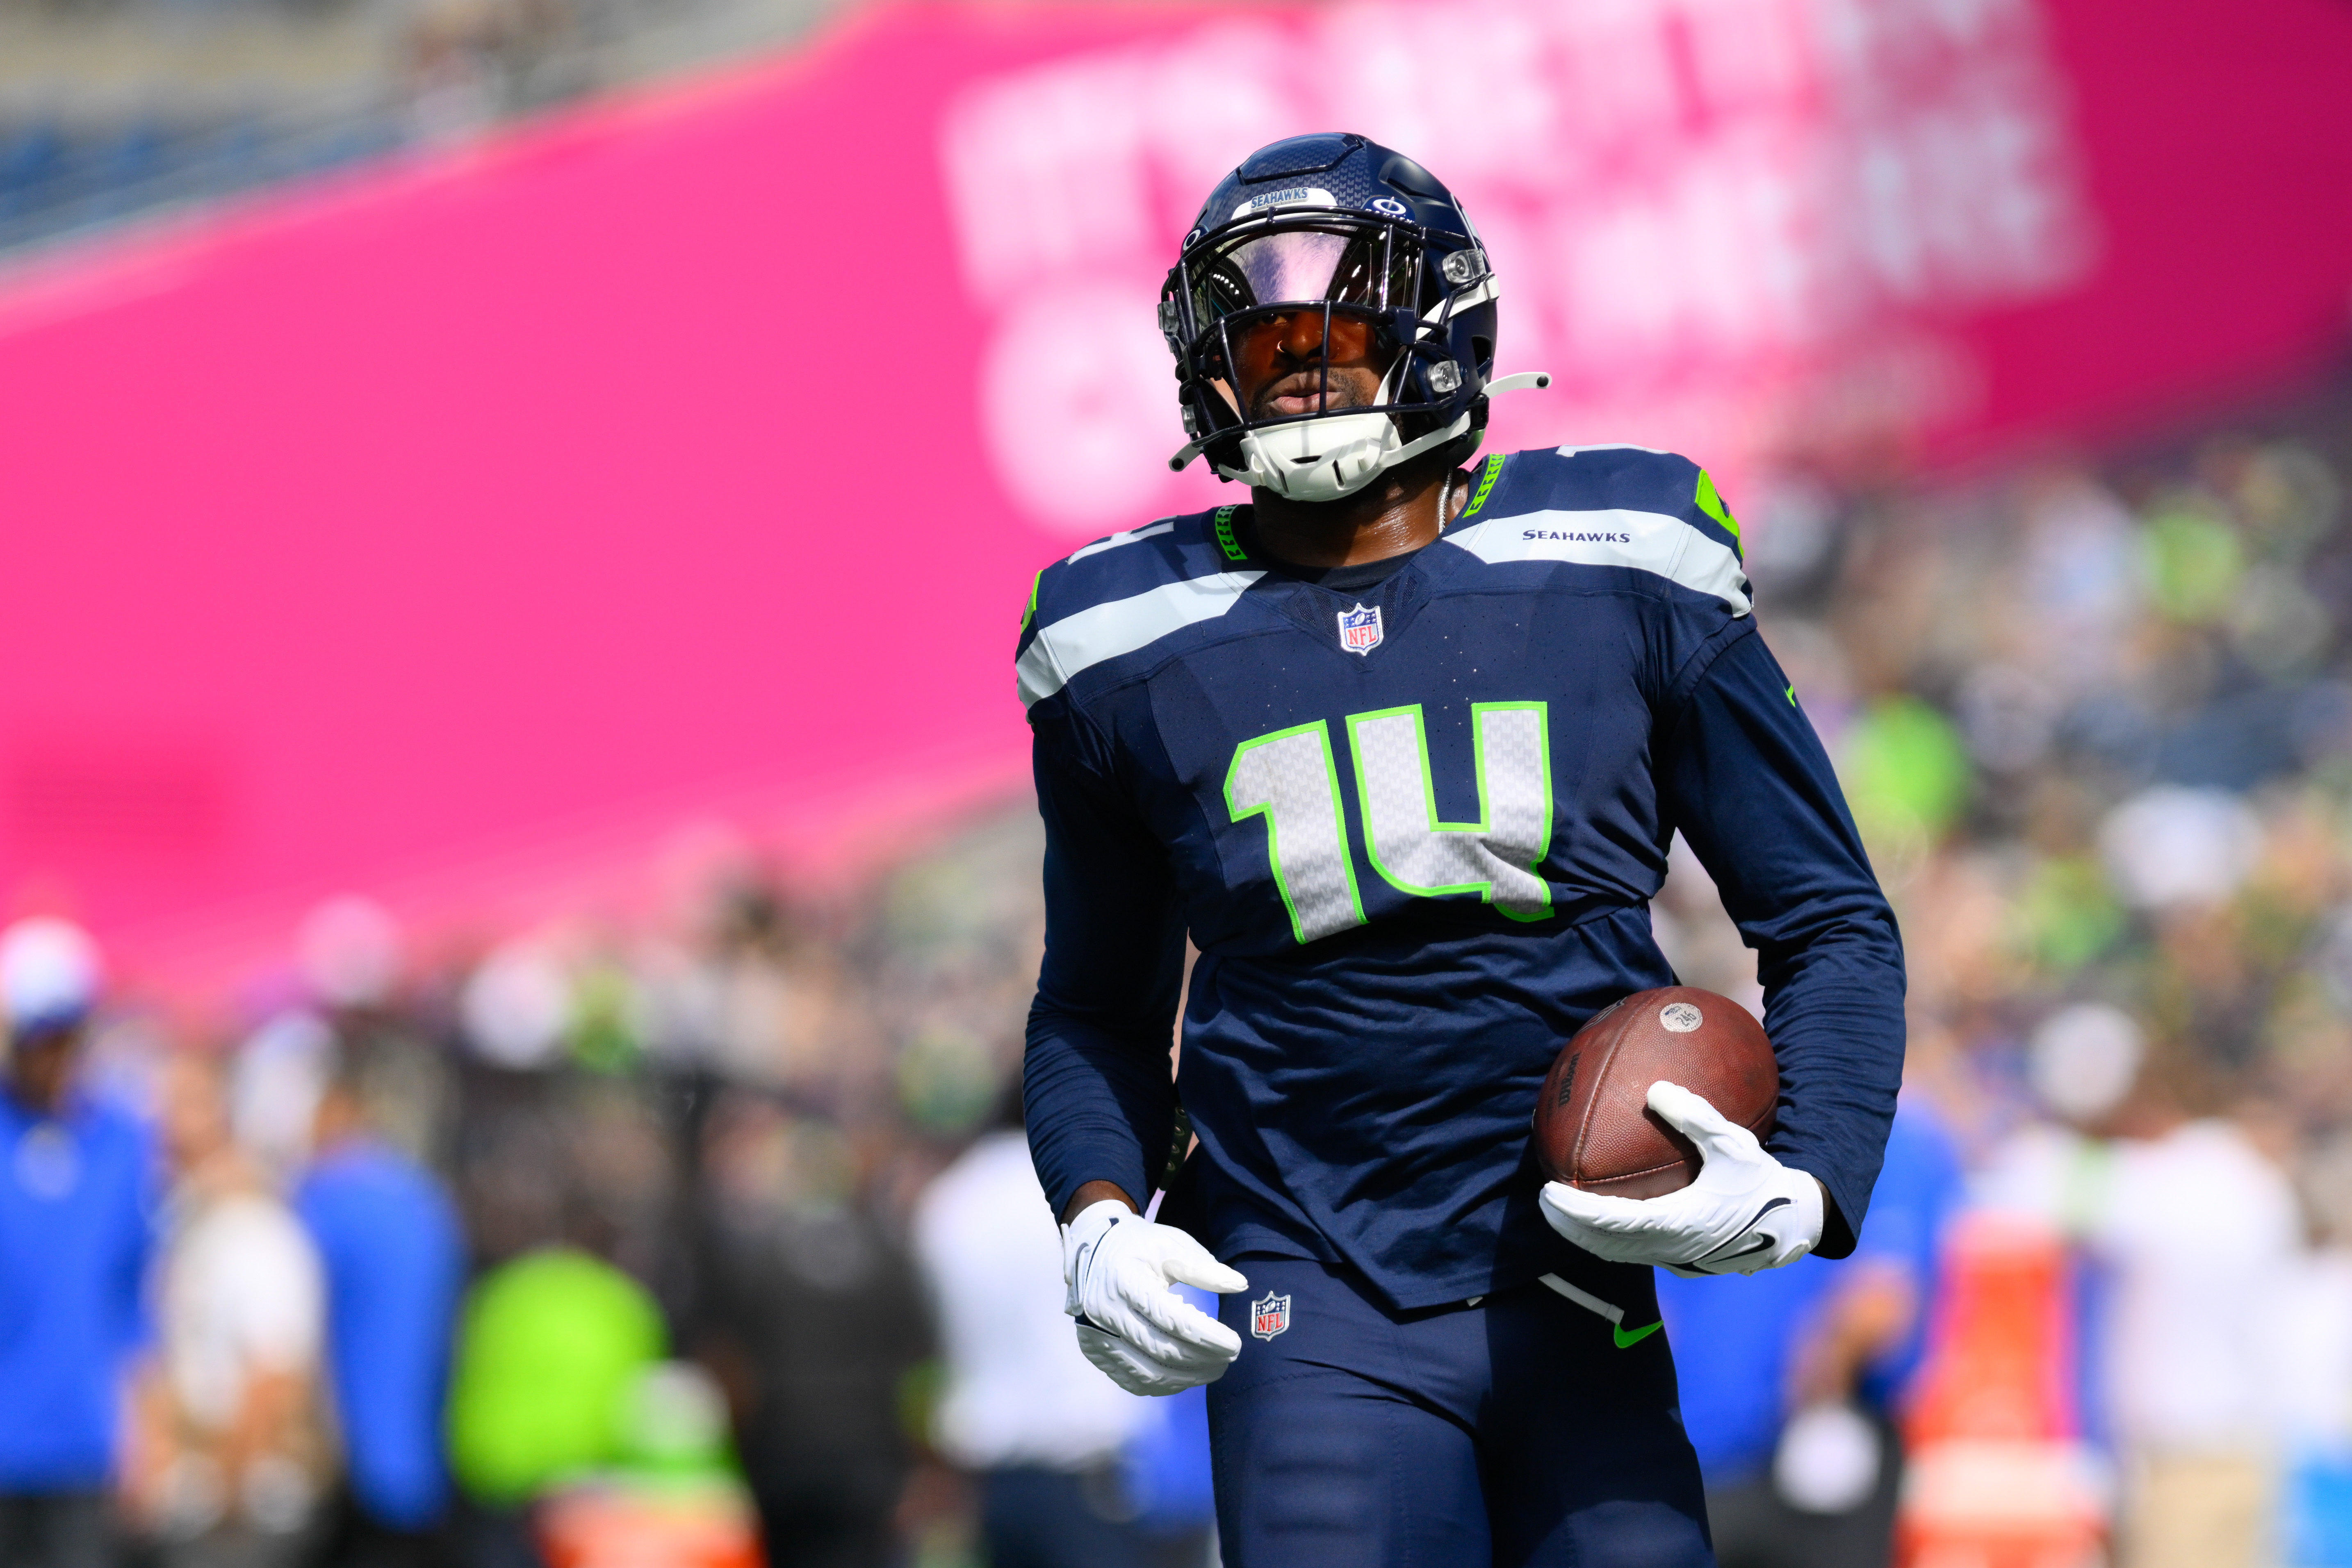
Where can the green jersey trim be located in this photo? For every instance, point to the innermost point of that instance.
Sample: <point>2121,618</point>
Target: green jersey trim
<point>1711,503</point>
<point>1485,484</point>
<point>1223,527</point>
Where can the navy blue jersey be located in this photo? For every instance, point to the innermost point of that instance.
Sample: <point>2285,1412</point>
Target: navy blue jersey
<point>1414,828</point>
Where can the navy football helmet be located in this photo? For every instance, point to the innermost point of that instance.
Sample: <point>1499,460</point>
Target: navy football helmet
<point>1338,227</point>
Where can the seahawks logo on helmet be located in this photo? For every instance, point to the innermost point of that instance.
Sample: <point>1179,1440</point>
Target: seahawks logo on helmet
<point>1339,227</point>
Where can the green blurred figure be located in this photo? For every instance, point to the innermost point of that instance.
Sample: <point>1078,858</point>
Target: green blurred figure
<point>552,1349</point>
<point>1906,776</point>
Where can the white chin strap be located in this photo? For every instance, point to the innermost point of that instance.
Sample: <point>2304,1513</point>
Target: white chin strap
<point>1336,455</point>
<point>1325,458</point>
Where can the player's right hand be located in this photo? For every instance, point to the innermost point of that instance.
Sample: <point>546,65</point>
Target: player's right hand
<point>1117,1266</point>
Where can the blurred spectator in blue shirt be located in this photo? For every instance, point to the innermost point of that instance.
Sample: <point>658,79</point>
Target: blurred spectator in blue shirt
<point>1790,1378</point>
<point>76,1180</point>
<point>395,1259</point>
<point>1072,1471</point>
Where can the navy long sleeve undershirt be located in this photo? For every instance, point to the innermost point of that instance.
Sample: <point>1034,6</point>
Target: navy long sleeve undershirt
<point>1096,1089</point>
<point>1754,793</point>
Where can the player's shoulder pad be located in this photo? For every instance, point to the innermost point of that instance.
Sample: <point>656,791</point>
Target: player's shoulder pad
<point>1119,594</point>
<point>1630,507</point>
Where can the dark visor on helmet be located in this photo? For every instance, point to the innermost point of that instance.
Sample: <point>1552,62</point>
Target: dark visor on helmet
<point>1371,266</point>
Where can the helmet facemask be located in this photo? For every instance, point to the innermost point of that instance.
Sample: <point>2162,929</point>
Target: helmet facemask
<point>1417,304</point>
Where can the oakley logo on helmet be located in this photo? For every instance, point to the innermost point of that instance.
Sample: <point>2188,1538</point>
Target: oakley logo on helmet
<point>1388,205</point>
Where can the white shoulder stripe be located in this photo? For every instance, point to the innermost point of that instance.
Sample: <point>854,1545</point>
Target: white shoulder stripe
<point>1060,651</point>
<point>1165,525</point>
<point>1645,541</point>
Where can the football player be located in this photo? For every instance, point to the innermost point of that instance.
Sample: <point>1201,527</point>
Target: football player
<point>1401,744</point>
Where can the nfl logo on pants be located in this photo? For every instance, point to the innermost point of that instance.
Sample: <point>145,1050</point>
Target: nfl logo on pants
<point>1270,1316</point>
<point>1360,629</point>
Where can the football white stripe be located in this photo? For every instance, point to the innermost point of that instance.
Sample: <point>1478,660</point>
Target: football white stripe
<point>1645,541</point>
<point>1078,642</point>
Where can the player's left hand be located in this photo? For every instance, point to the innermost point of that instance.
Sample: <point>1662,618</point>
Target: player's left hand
<point>1746,1212</point>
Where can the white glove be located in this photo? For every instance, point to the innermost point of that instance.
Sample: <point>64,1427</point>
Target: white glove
<point>1746,1212</point>
<point>1144,1337</point>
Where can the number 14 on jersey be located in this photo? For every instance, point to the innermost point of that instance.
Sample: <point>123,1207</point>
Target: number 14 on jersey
<point>1291,778</point>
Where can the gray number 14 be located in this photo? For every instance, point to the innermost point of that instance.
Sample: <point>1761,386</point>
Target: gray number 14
<point>1292,780</point>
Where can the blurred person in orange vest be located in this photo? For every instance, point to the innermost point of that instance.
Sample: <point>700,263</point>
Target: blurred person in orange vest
<point>2198,1232</point>
<point>76,1184</point>
<point>228,1465</point>
<point>551,1345</point>
<point>1793,1381</point>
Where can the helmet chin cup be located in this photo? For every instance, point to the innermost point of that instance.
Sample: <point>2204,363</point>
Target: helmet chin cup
<point>1331,454</point>
<point>1321,458</point>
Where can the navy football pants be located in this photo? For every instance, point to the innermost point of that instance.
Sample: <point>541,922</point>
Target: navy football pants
<point>1512,1433</point>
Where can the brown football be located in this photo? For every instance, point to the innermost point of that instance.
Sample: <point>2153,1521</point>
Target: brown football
<point>1594,1128</point>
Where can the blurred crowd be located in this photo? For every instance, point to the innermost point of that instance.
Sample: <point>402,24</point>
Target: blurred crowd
<point>712,1239</point>
<point>112,110</point>
<point>2093,724</point>
<point>602,1245</point>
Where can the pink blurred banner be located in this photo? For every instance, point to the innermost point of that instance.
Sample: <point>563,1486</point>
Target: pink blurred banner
<point>451,528</point>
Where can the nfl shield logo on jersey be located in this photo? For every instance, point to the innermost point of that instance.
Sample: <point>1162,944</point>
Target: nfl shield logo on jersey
<point>1359,628</point>
<point>1272,1315</point>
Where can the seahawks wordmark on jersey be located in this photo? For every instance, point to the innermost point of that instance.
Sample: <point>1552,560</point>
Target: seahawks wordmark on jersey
<point>1412,825</point>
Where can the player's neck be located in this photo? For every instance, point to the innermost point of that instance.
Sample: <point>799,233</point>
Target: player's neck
<point>1405,508</point>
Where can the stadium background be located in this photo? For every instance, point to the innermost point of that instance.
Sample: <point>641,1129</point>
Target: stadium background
<point>516,514</point>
